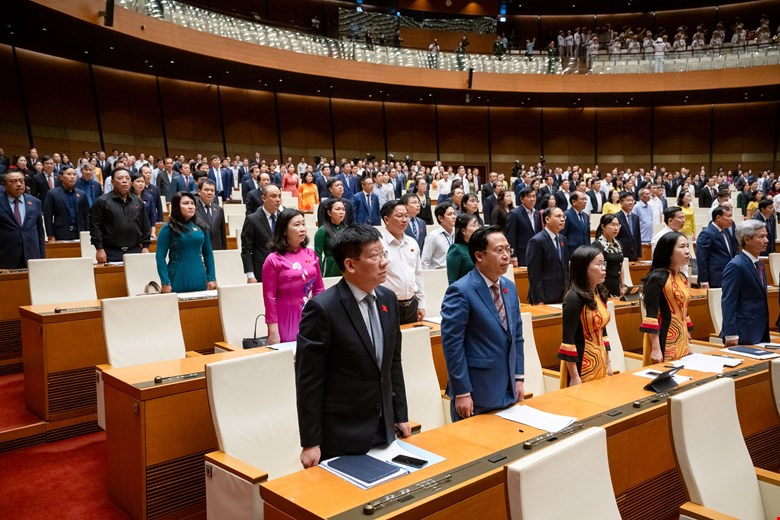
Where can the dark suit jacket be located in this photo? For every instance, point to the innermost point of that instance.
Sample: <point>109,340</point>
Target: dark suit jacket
<point>247,187</point>
<point>361,212</point>
<point>486,190</point>
<point>483,364</point>
<point>27,239</point>
<point>322,185</point>
<point>595,198</point>
<point>576,232</point>
<point>744,303</point>
<point>163,182</point>
<point>178,184</point>
<point>771,229</point>
<point>255,237</point>
<point>706,198</point>
<point>422,232</point>
<point>343,395</point>
<point>227,181</point>
<point>398,186</point>
<point>712,256</point>
<point>488,204</point>
<point>154,191</point>
<point>561,201</point>
<point>519,231</point>
<point>39,187</point>
<point>351,187</point>
<point>631,243</point>
<point>56,216</point>
<point>253,201</point>
<point>426,210</point>
<point>242,172</point>
<point>216,224</point>
<point>548,275</point>
<point>321,216</point>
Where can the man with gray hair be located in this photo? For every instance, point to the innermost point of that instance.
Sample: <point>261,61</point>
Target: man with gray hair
<point>744,300</point>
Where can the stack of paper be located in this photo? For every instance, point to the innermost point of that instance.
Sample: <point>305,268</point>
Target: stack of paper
<point>704,363</point>
<point>536,418</point>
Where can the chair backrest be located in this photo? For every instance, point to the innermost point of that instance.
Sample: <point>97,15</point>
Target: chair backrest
<point>423,395</point>
<point>595,220</point>
<point>239,307</point>
<point>707,438</point>
<point>330,281</point>
<point>435,282</point>
<point>87,249</point>
<point>578,464</point>
<point>140,269</point>
<point>128,344</point>
<point>236,224</point>
<point>253,406</point>
<point>716,308</point>
<point>534,378</point>
<point>228,267</point>
<point>774,267</point>
<point>616,355</point>
<point>61,280</point>
<point>627,273</point>
<point>774,368</point>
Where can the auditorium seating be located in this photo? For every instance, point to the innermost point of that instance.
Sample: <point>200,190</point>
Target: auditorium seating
<point>61,280</point>
<point>714,462</point>
<point>435,283</point>
<point>569,479</point>
<point>714,300</point>
<point>87,249</point>
<point>252,401</point>
<point>538,380</point>
<point>423,395</point>
<point>140,269</point>
<point>228,267</point>
<point>239,307</point>
<point>621,361</point>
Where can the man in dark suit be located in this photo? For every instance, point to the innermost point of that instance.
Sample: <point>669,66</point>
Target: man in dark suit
<point>416,228</point>
<point>253,199</point>
<point>766,214</point>
<point>88,184</point>
<point>562,195</point>
<point>349,181</point>
<point>336,190</point>
<point>182,182</point>
<point>66,209</point>
<point>21,226</point>
<point>629,236</point>
<point>365,203</point>
<point>482,333</point>
<point>251,182</point>
<point>488,187</point>
<point>165,177</point>
<point>744,300</point>
<point>548,261</point>
<point>548,188</point>
<point>489,203</point>
<point>222,177</point>
<point>154,191</point>
<point>716,245</point>
<point>257,233</point>
<point>597,197</point>
<point>243,171</point>
<point>523,223</point>
<point>211,213</point>
<point>708,193</point>
<point>396,182</point>
<point>349,378</point>
<point>321,178</point>
<point>577,227</point>
<point>44,181</point>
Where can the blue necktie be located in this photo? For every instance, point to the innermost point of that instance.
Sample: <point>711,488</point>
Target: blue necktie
<point>273,222</point>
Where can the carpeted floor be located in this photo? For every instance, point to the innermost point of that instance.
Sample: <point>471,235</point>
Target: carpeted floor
<point>59,481</point>
<point>13,413</point>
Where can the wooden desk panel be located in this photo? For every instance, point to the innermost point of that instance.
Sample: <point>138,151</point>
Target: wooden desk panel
<point>68,249</point>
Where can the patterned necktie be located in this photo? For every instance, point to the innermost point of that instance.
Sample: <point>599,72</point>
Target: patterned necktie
<point>761,273</point>
<point>17,213</point>
<point>495,290</point>
<point>273,222</point>
<point>414,227</point>
<point>558,247</point>
<point>51,182</point>
<point>375,328</point>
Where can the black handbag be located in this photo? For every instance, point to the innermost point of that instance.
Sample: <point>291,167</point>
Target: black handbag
<point>254,341</point>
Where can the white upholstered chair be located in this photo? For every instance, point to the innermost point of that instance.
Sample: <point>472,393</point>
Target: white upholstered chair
<point>774,267</point>
<point>87,249</point>
<point>258,438</point>
<point>713,459</point>
<point>621,361</point>
<point>423,395</point>
<point>140,269</point>
<point>330,281</point>
<point>435,282</point>
<point>627,273</point>
<point>578,464</point>
<point>228,267</point>
<point>714,300</point>
<point>774,369</point>
<point>538,380</point>
<point>61,280</point>
<point>239,307</point>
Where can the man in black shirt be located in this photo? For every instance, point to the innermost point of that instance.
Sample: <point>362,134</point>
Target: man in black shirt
<point>118,222</point>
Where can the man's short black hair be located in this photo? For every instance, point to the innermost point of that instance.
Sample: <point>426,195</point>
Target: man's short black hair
<point>719,211</point>
<point>440,210</point>
<point>350,242</point>
<point>406,197</point>
<point>575,196</point>
<point>528,191</point>
<point>762,204</point>
<point>670,212</point>
<point>389,206</point>
<point>332,181</point>
<point>624,195</point>
<point>479,240</point>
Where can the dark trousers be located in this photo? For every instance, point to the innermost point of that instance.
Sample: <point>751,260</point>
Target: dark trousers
<point>408,314</point>
<point>116,254</point>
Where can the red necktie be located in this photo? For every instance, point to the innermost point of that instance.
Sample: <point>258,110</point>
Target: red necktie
<point>499,302</point>
<point>17,213</point>
<point>761,272</point>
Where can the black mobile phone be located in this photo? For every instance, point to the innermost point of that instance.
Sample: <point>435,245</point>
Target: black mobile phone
<point>410,461</point>
<point>771,346</point>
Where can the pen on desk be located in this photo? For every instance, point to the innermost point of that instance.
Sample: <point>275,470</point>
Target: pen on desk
<point>521,430</point>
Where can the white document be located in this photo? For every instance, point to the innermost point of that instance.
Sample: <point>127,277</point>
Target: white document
<point>652,373</point>
<point>536,418</point>
<point>556,305</point>
<point>703,363</point>
<point>433,319</point>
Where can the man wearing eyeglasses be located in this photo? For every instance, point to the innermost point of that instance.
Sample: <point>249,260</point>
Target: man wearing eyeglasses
<point>481,331</point>
<point>349,378</point>
<point>21,225</point>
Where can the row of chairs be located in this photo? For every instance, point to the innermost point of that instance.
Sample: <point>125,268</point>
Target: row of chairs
<point>687,64</point>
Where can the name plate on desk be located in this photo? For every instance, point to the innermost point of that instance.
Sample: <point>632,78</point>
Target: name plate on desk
<point>161,380</point>
<point>12,271</point>
<point>67,310</point>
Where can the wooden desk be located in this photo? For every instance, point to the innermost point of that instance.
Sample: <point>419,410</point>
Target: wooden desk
<point>60,352</point>
<point>641,460</point>
<point>15,291</point>
<point>156,436</point>
<point>72,249</point>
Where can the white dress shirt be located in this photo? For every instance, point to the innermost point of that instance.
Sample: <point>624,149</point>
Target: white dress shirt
<point>437,244</point>
<point>404,272</point>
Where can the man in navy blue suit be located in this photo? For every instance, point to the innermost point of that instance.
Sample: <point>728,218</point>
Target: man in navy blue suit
<point>715,247</point>
<point>88,184</point>
<point>577,227</point>
<point>629,235</point>
<point>66,210</point>
<point>21,226</point>
<point>222,177</point>
<point>744,303</point>
<point>766,214</point>
<point>349,181</point>
<point>182,182</point>
<point>523,223</point>
<point>481,331</point>
<point>365,204</point>
<point>416,228</point>
<point>548,261</point>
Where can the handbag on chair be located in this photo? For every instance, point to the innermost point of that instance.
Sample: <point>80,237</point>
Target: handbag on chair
<point>254,341</point>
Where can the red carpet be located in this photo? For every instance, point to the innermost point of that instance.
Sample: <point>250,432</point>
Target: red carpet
<point>13,413</point>
<point>63,480</point>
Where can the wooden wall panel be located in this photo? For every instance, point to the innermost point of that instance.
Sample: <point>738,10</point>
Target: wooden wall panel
<point>753,145</point>
<point>411,130</point>
<point>129,111</point>
<point>191,117</point>
<point>13,130</point>
<point>568,136</point>
<point>306,126</point>
<point>470,7</point>
<point>463,135</point>
<point>623,137</point>
<point>250,122</point>
<point>516,135</point>
<point>682,136</point>
<point>358,128</point>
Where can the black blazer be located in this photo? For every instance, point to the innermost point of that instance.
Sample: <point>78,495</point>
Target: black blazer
<point>343,396</point>
<point>595,198</point>
<point>163,182</point>
<point>39,187</point>
<point>426,212</point>
<point>154,191</point>
<point>21,242</point>
<point>560,200</point>
<point>255,239</point>
<point>56,216</point>
<point>422,232</point>
<point>519,231</point>
<point>548,275</point>
<point>247,187</point>
<point>771,229</point>
<point>631,244</point>
<point>488,204</point>
<point>705,196</point>
<point>215,225</point>
<point>253,201</point>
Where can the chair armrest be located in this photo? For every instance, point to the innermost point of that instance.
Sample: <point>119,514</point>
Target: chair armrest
<point>551,379</point>
<point>697,512</point>
<point>224,346</point>
<point>770,477</point>
<point>769,487</point>
<point>632,355</point>
<point>192,353</point>
<point>551,373</point>
<point>706,343</point>
<point>416,427</point>
<point>444,395</point>
<point>237,467</point>
<point>103,368</point>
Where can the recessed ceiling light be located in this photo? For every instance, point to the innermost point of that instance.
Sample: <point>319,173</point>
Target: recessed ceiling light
<point>172,61</point>
<point>43,29</point>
